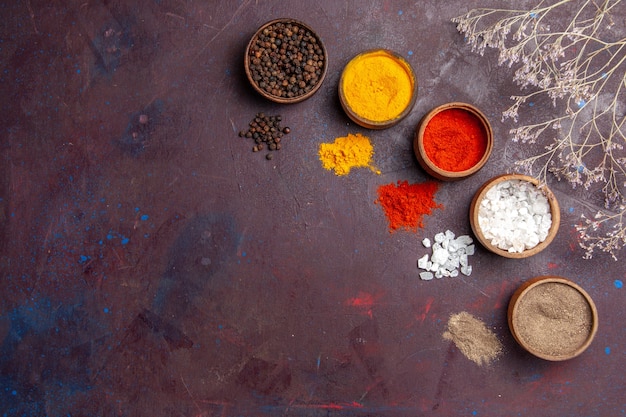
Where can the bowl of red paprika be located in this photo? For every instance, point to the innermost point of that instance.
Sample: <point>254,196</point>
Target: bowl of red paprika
<point>453,141</point>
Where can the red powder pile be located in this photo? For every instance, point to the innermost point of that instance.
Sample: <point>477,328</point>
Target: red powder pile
<point>455,140</point>
<point>406,204</point>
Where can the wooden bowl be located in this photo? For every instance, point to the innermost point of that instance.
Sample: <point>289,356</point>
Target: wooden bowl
<point>429,165</point>
<point>280,95</point>
<point>480,194</point>
<point>552,318</point>
<point>345,100</point>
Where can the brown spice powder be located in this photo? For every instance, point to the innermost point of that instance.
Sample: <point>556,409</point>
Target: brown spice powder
<point>553,318</point>
<point>473,338</point>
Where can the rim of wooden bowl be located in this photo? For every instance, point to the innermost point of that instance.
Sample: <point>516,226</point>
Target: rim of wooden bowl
<point>554,211</point>
<point>277,99</point>
<point>371,124</point>
<point>429,166</point>
<point>528,286</point>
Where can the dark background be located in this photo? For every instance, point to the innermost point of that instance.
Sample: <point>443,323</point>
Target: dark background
<point>181,274</point>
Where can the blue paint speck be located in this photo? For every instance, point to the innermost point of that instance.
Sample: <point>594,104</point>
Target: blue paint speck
<point>144,217</point>
<point>474,412</point>
<point>77,71</point>
<point>83,259</point>
<point>106,310</point>
<point>581,103</point>
<point>400,12</point>
<point>13,392</point>
<point>607,350</point>
<point>125,240</point>
<point>136,209</point>
<point>571,209</point>
<point>531,104</point>
<point>410,53</point>
<point>618,284</point>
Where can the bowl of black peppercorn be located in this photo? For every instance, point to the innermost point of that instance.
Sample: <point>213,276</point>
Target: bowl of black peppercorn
<point>286,61</point>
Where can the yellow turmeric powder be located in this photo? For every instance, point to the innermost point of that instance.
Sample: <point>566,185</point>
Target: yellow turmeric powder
<point>377,85</point>
<point>347,152</point>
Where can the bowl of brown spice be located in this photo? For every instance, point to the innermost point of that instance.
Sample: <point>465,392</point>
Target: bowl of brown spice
<point>552,317</point>
<point>453,141</point>
<point>286,61</point>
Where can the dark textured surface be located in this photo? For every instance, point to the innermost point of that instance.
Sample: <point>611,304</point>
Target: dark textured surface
<point>163,269</point>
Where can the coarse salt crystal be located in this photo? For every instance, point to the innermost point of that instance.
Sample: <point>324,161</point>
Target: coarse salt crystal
<point>426,276</point>
<point>440,256</point>
<point>422,262</point>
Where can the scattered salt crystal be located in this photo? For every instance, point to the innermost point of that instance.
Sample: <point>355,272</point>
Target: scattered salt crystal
<point>449,254</point>
<point>426,276</point>
<point>440,255</point>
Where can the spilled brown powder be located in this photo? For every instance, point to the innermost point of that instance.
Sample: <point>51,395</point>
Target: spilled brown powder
<point>473,338</point>
<point>554,319</point>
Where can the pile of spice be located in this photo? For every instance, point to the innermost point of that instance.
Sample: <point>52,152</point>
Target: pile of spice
<point>377,86</point>
<point>450,254</point>
<point>286,60</point>
<point>406,204</point>
<point>514,215</point>
<point>267,133</point>
<point>553,319</point>
<point>455,140</point>
<point>347,152</point>
<point>472,337</point>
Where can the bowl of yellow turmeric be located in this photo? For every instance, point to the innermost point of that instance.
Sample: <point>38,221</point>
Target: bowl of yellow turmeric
<point>377,88</point>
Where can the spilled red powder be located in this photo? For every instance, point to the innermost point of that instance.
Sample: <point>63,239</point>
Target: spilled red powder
<point>455,140</point>
<point>406,204</point>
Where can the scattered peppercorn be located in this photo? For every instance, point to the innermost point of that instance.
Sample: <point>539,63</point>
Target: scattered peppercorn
<point>286,60</point>
<point>266,132</point>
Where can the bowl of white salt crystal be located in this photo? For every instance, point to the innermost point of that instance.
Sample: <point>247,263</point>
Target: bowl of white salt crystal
<point>514,216</point>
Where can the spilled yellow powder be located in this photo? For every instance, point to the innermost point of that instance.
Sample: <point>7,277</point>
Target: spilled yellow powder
<point>347,152</point>
<point>473,338</point>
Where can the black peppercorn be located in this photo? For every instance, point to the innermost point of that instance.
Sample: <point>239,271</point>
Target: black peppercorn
<point>266,131</point>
